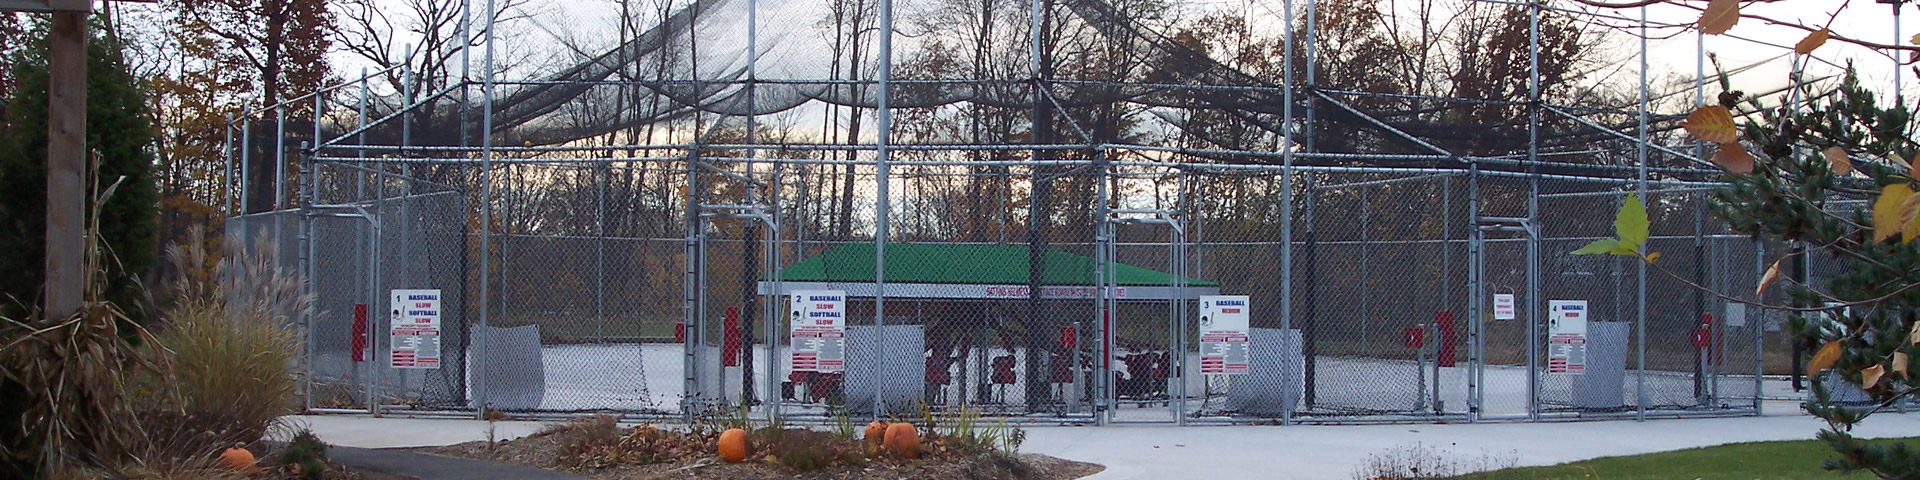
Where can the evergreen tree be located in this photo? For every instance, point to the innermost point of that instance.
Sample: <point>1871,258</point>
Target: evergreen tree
<point>119,134</point>
<point>1793,177</point>
<point>1862,325</point>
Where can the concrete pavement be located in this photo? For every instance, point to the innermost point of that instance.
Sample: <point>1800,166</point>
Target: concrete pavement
<point>1276,452</point>
<point>391,432</point>
<point>1338,451</point>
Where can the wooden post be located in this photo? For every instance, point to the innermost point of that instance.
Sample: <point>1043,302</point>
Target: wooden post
<point>66,163</point>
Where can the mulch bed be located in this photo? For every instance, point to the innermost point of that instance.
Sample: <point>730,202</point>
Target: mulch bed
<point>647,453</point>
<point>335,471</point>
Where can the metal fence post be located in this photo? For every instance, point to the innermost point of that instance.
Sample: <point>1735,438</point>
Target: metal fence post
<point>1640,322</point>
<point>486,229</point>
<point>882,140</point>
<point>306,272</point>
<point>246,155</point>
<point>1103,296</point>
<point>381,299</point>
<point>226,154</point>
<point>1477,297</point>
<point>1759,326</point>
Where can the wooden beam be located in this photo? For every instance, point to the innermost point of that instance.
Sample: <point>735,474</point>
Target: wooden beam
<point>46,5</point>
<point>66,163</point>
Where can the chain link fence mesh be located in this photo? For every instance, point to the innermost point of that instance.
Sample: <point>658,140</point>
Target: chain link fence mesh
<point>1360,285</point>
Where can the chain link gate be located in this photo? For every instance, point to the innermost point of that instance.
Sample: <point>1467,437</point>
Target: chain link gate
<point>1672,356</point>
<point>369,233</point>
<point>1150,358</point>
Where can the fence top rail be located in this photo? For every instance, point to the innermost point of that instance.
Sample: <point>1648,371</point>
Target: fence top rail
<point>1193,167</point>
<point>1272,157</point>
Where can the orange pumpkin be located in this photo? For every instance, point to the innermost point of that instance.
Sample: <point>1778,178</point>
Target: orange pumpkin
<point>903,439</point>
<point>733,445</point>
<point>237,459</point>
<point>876,433</point>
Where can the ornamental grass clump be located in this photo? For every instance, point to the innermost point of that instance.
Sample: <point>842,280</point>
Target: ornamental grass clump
<point>224,356</point>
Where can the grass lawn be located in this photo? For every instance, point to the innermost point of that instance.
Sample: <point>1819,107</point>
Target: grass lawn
<point>1741,461</point>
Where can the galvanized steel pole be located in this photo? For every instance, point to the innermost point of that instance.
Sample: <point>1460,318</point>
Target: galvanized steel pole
<point>1640,273</point>
<point>486,229</point>
<point>883,202</point>
<point>1533,230</point>
<point>226,188</point>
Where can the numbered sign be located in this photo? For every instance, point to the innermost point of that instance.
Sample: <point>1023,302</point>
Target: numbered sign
<point>414,329</point>
<point>1223,334</point>
<point>817,330</point>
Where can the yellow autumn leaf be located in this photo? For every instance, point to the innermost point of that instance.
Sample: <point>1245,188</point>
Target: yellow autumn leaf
<point>1908,208</point>
<point>1889,210</point>
<point>1899,365</point>
<point>1712,124</point>
<point>1767,279</point>
<point>1734,158</point>
<point>1870,376</point>
<point>1651,257</point>
<point>1719,16</point>
<point>1813,41</point>
<point>1824,358</point>
<point>1838,161</point>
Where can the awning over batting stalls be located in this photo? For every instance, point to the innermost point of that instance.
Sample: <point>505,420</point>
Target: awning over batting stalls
<point>924,270</point>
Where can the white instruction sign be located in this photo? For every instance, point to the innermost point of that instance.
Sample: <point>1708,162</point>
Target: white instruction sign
<point>414,329</point>
<point>1567,337</point>
<point>1736,314</point>
<point>1504,306</point>
<point>817,328</point>
<point>1223,334</point>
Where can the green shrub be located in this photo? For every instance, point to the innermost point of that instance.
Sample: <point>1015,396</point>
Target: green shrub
<point>307,452</point>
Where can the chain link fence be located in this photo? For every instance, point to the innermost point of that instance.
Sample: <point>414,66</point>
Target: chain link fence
<point>1360,286</point>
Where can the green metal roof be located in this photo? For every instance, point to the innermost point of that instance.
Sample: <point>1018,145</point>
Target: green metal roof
<point>964,264</point>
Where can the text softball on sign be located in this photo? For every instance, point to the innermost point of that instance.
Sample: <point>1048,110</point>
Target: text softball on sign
<point>1567,337</point>
<point>1223,334</point>
<point>817,326</point>
<point>414,329</point>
